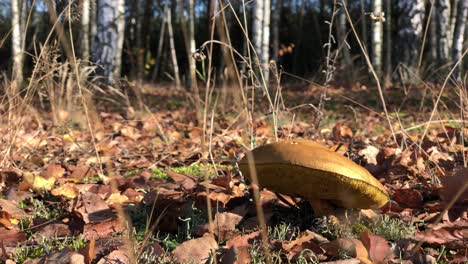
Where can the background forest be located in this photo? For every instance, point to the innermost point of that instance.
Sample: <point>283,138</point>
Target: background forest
<point>125,126</point>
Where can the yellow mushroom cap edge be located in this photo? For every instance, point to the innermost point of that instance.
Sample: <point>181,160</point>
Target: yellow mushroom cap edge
<point>306,168</point>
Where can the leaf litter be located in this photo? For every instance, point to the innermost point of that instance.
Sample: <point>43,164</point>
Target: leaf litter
<point>129,201</point>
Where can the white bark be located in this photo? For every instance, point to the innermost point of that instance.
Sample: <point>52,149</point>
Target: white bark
<point>442,30</point>
<point>17,43</point>
<point>191,32</point>
<point>172,47</point>
<point>409,34</point>
<point>266,40</point>
<point>120,16</point>
<point>258,27</point>
<point>377,36</point>
<point>85,15</point>
<point>458,35</point>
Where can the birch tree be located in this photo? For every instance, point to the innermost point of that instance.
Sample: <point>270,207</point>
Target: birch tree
<point>17,42</point>
<point>85,16</point>
<point>120,20</point>
<point>458,35</point>
<point>107,50</point>
<point>442,20</point>
<point>409,35</point>
<point>170,31</point>
<point>377,37</point>
<point>257,29</point>
<point>266,40</point>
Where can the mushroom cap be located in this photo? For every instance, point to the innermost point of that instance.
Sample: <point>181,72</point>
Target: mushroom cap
<point>309,169</point>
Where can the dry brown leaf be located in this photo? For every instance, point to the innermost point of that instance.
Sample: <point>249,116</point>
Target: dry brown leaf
<point>92,208</point>
<point>378,248</point>
<point>67,190</point>
<point>350,246</point>
<point>443,235</point>
<point>453,184</point>
<point>54,171</point>
<point>36,182</point>
<point>196,250</point>
<point>408,197</point>
<point>11,236</point>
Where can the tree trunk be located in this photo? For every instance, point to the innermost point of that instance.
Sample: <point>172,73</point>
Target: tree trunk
<point>140,56</point>
<point>433,38</point>
<point>17,43</point>
<point>377,36</point>
<point>453,19</point>
<point>363,23</point>
<point>458,35</point>
<point>276,22</point>
<point>175,65</point>
<point>341,36</point>
<point>409,36</point>
<point>257,28</point>
<point>85,16</point>
<point>388,53</point>
<point>93,24</point>
<point>442,20</point>
<point>162,34</point>
<point>266,40</point>
<point>107,50</point>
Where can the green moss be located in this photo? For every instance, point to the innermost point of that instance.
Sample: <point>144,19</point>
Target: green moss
<point>47,245</point>
<point>159,174</point>
<point>197,170</point>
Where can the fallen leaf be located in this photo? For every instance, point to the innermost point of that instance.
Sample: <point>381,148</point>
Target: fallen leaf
<point>443,235</point>
<point>11,236</point>
<point>37,182</point>
<point>54,171</point>
<point>67,190</point>
<point>196,250</point>
<point>453,184</point>
<point>408,197</point>
<point>350,246</point>
<point>378,248</point>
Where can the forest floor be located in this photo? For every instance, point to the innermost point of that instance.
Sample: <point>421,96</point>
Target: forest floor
<point>136,188</point>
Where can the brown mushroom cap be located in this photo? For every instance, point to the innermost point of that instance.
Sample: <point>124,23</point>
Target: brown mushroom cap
<point>303,167</point>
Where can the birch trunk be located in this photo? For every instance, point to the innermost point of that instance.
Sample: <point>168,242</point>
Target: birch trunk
<point>120,17</point>
<point>175,65</point>
<point>442,30</point>
<point>458,35</point>
<point>17,43</point>
<point>266,40</point>
<point>257,29</point>
<point>377,36</point>
<point>107,49</point>
<point>409,36</point>
<point>85,16</point>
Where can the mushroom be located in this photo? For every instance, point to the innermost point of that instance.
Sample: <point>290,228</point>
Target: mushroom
<point>308,169</point>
